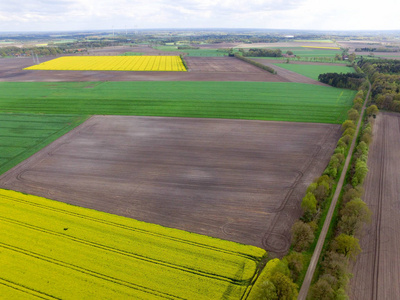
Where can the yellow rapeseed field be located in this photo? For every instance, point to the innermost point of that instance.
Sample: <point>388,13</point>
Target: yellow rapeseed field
<point>52,250</point>
<point>112,63</point>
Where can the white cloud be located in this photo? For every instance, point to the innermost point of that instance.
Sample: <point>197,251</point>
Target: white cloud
<point>287,14</point>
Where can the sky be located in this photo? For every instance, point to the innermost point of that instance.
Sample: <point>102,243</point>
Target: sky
<point>67,15</point>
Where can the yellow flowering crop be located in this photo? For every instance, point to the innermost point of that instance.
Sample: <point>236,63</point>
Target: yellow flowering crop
<point>54,250</point>
<point>112,63</point>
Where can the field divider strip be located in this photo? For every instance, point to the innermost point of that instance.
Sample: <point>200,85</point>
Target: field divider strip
<point>130,228</point>
<point>126,253</point>
<point>85,271</point>
<point>321,240</point>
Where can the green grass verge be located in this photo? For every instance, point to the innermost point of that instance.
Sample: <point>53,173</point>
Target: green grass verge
<point>276,101</point>
<point>312,71</point>
<point>132,54</point>
<point>56,250</point>
<point>24,134</point>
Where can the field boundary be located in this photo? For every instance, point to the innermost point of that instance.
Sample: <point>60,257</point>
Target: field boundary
<point>321,240</point>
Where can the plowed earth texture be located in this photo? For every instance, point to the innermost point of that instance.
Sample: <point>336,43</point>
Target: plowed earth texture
<point>232,179</point>
<point>377,269</point>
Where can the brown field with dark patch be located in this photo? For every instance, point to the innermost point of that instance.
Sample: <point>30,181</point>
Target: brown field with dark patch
<point>238,180</point>
<point>377,269</point>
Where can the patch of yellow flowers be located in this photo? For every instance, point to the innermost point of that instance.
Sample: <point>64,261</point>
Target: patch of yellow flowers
<point>112,63</point>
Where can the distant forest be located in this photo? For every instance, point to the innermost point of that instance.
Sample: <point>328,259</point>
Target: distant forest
<point>384,75</point>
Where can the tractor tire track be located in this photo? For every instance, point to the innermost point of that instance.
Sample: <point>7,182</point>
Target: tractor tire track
<point>381,189</point>
<point>87,271</point>
<point>126,253</point>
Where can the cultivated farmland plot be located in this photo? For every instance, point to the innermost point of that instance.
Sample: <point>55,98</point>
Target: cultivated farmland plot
<point>112,63</point>
<point>21,135</point>
<point>313,70</point>
<point>278,101</point>
<point>200,69</point>
<point>232,179</point>
<point>377,269</point>
<point>50,250</point>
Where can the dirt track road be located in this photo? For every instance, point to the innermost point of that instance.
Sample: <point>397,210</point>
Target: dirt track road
<point>377,269</point>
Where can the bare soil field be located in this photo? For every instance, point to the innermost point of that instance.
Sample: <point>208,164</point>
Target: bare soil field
<point>237,180</point>
<point>377,269</point>
<point>204,69</point>
<point>220,65</point>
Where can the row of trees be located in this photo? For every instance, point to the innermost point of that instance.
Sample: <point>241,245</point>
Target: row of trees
<point>348,81</point>
<point>276,279</point>
<point>41,51</point>
<point>254,63</point>
<point>334,272</point>
<point>304,230</point>
<point>368,49</point>
<point>385,78</point>
<point>259,52</point>
<point>335,266</point>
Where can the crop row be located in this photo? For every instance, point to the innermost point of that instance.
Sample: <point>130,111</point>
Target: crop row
<point>21,135</point>
<point>278,101</point>
<point>112,63</point>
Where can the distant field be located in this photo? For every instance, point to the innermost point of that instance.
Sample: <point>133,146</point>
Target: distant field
<point>313,52</point>
<point>314,41</point>
<point>53,250</point>
<point>24,134</point>
<point>310,52</point>
<point>312,71</point>
<point>195,52</point>
<point>112,63</point>
<point>132,53</point>
<point>276,101</point>
<point>323,47</point>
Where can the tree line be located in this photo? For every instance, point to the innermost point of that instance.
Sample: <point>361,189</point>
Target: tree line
<point>254,63</point>
<point>368,49</point>
<point>343,80</point>
<point>281,278</point>
<point>385,78</point>
<point>41,51</point>
<point>259,52</point>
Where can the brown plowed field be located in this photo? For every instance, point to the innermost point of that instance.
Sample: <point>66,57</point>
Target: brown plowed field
<point>200,69</point>
<point>233,179</point>
<point>377,269</point>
